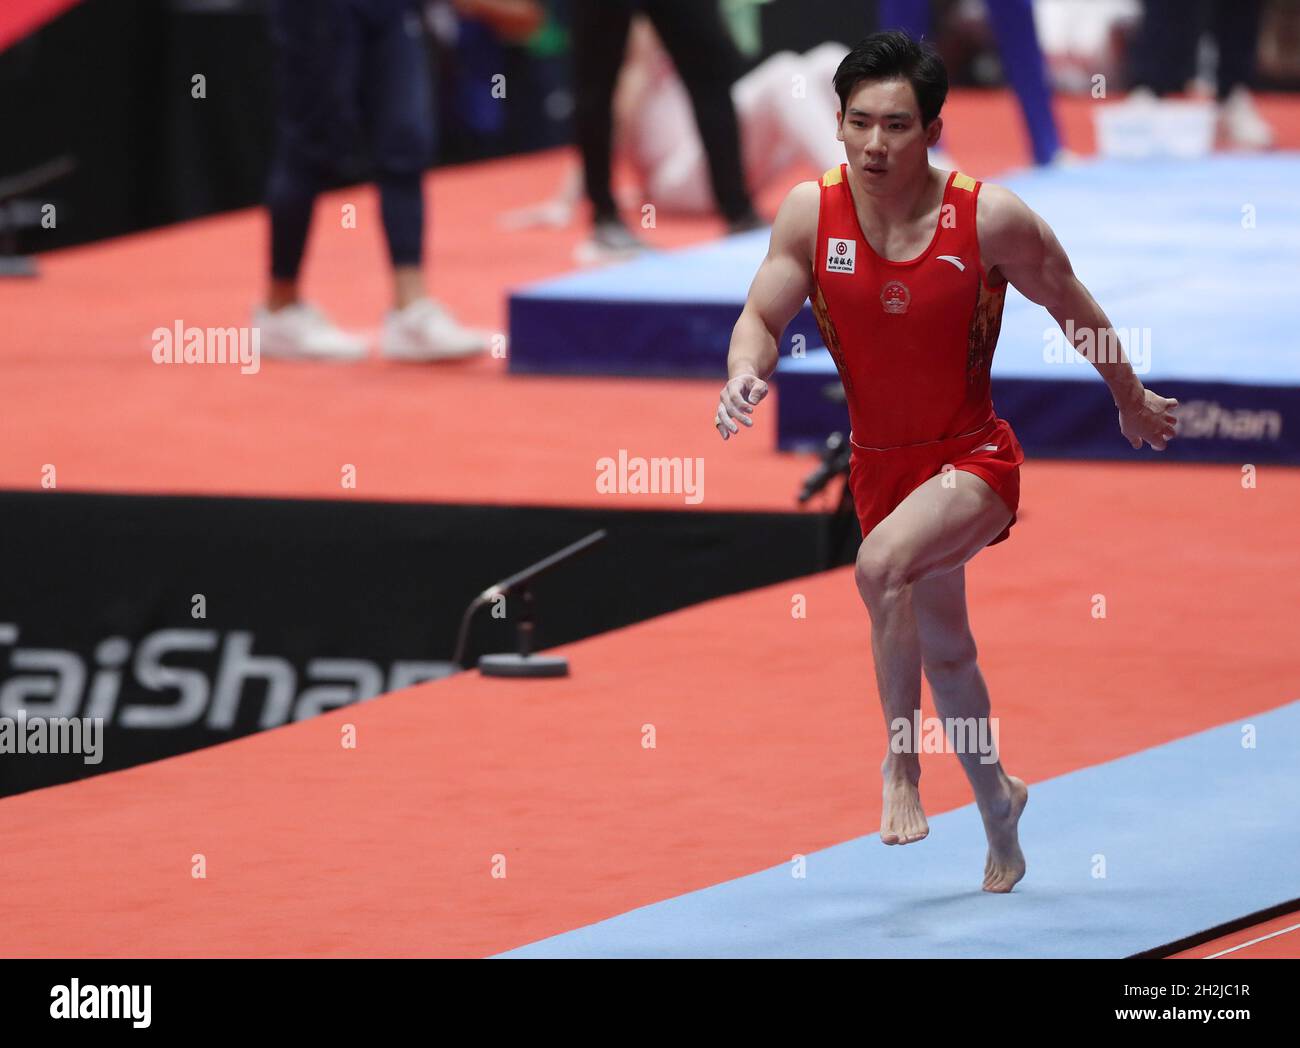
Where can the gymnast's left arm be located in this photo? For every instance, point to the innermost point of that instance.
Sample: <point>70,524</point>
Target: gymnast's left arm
<point>1022,247</point>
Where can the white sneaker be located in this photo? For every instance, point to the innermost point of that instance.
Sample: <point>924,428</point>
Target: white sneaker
<point>1241,123</point>
<point>610,241</point>
<point>302,332</point>
<point>424,330</point>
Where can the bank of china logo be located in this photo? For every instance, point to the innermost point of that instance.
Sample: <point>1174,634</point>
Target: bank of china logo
<point>840,255</point>
<point>895,297</point>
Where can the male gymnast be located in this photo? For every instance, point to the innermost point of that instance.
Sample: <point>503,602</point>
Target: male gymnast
<point>907,267</point>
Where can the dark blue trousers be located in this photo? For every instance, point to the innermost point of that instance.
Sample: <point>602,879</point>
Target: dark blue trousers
<point>349,71</point>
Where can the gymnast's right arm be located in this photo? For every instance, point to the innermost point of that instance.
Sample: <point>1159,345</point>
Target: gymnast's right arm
<point>780,288</point>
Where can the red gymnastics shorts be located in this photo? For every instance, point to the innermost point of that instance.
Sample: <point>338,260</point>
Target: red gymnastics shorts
<point>881,478</point>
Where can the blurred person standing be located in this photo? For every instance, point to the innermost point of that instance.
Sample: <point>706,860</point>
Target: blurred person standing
<point>1165,62</point>
<point>345,66</point>
<point>1022,63</point>
<point>694,36</point>
<point>780,104</point>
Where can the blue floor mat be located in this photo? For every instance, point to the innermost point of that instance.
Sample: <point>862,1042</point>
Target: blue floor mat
<point>1192,834</point>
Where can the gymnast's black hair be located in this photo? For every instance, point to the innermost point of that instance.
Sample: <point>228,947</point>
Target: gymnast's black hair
<point>894,55</point>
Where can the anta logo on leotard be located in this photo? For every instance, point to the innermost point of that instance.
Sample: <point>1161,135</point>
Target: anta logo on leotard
<point>840,255</point>
<point>895,297</point>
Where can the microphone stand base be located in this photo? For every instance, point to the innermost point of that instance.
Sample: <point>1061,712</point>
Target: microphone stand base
<point>512,664</point>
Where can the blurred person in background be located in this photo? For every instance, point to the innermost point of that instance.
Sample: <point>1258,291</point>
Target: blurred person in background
<point>1165,62</point>
<point>1022,65</point>
<point>693,33</point>
<point>781,106</point>
<point>345,66</point>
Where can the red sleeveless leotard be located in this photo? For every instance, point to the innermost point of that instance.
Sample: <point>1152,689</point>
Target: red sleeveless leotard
<point>913,342</point>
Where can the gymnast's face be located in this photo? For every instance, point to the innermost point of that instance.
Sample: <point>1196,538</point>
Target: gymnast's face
<point>883,138</point>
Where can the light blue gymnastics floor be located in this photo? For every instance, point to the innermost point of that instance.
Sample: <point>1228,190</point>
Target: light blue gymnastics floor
<point>1122,857</point>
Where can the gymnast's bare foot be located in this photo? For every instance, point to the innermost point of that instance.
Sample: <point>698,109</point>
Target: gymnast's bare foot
<point>1005,864</point>
<point>901,819</point>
